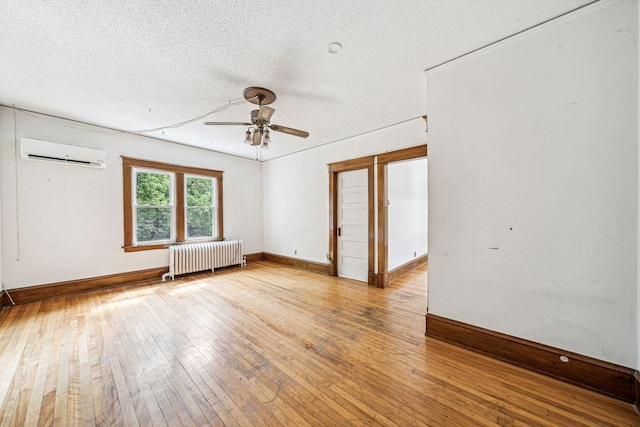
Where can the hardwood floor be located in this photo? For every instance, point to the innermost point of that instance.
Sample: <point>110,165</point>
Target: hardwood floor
<point>265,345</point>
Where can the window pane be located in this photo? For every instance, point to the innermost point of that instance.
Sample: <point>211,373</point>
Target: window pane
<point>199,192</point>
<point>152,189</point>
<point>199,222</point>
<point>153,224</point>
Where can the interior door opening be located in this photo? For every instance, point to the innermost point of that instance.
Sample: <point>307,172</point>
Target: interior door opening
<point>407,216</point>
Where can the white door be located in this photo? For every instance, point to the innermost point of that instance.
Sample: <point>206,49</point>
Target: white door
<point>352,225</point>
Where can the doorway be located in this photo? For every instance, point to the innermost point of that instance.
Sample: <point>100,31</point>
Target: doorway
<point>383,161</point>
<point>407,217</point>
<point>366,165</point>
<point>377,218</point>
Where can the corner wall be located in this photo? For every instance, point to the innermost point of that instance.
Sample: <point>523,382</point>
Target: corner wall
<point>533,185</point>
<point>71,217</point>
<point>638,229</point>
<point>1,243</point>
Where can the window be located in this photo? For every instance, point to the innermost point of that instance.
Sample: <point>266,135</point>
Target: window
<point>153,206</point>
<point>166,204</point>
<point>200,207</point>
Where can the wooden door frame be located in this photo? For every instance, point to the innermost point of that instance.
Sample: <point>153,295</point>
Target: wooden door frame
<point>383,208</point>
<point>381,279</point>
<point>334,170</point>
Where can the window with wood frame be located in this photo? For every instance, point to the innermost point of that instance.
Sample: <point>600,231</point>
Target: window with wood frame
<point>169,204</point>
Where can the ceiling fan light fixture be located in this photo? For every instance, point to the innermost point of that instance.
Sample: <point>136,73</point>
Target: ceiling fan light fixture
<point>266,140</point>
<point>247,139</point>
<point>257,137</point>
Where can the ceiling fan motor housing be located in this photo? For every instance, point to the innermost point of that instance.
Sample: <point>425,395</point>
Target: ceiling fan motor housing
<point>256,120</point>
<point>259,95</point>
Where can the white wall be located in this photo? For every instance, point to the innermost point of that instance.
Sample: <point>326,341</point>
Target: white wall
<point>296,189</point>
<point>407,211</point>
<point>71,218</point>
<point>533,186</point>
<point>638,134</point>
<point>1,281</point>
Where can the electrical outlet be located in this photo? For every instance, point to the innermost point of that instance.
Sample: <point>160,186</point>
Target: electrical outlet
<point>295,252</point>
<point>414,255</point>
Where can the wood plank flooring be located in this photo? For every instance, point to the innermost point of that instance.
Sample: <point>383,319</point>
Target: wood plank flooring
<point>265,346</point>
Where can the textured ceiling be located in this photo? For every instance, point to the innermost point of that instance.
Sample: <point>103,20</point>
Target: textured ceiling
<point>143,64</point>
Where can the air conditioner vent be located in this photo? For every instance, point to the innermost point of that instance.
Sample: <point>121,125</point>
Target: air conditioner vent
<point>34,149</point>
<point>57,159</point>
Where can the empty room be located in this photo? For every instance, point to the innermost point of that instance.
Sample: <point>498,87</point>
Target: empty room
<point>384,213</point>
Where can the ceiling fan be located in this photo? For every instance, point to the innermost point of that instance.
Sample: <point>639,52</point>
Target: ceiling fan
<point>258,133</point>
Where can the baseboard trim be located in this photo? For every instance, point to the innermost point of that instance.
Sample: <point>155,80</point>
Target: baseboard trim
<point>259,256</point>
<point>600,376</point>
<point>636,377</point>
<point>398,272</point>
<point>372,279</point>
<point>52,290</point>
<point>316,267</point>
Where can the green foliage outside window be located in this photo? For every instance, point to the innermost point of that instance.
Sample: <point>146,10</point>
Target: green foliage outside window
<point>199,207</point>
<point>153,197</point>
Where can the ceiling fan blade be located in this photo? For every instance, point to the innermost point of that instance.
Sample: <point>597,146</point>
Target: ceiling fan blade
<point>290,131</point>
<point>265,113</point>
<point>226,124</point>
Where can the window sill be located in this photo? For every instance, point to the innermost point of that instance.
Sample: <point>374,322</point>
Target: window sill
<point>136,248</point>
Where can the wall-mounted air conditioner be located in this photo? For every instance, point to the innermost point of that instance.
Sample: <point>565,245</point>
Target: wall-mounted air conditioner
<point>34,149</point>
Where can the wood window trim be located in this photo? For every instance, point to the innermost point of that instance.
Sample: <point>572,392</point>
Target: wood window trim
<point>334,170</point>
<point>128,163</point>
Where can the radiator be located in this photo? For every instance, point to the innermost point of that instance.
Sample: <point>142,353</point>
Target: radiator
<point>194,257</point>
